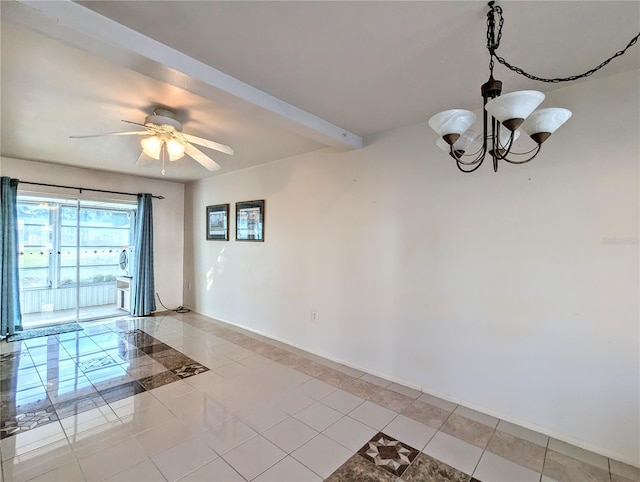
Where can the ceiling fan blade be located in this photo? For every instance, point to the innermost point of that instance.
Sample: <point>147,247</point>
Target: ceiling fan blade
<point>202,158</point>
<point>132,133</point>
<point>207,143</point>
<point>134,123</point>
<point>145,161</point>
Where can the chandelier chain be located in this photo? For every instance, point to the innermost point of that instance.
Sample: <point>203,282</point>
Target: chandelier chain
<point>493,42</point>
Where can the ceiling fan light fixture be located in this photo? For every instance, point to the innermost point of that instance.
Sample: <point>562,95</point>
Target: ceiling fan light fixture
<point>175,148</point>
<point>152,146</point>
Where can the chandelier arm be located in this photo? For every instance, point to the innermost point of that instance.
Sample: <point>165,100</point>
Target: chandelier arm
<point>493,42</point>
<point>460,164</point>
<point>537,150</point>
<point>480,154</point>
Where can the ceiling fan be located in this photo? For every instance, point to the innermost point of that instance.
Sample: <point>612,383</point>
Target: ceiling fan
<point>167,141</point>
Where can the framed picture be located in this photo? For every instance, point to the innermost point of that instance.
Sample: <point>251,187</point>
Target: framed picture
<point>250,221</point>
<point>218,222</point>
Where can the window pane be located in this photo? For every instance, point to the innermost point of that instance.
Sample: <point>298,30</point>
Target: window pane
<point>33,258</point>
<point>98,274</point>
<point>34,278</point>
<point>67,277</point>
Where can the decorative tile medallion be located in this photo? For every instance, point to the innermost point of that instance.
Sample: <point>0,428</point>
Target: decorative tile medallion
<point>27,421</point>
<point>190,370</point>
<point>388,453</point>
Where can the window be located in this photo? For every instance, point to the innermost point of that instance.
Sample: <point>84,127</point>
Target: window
<point>56,237</point>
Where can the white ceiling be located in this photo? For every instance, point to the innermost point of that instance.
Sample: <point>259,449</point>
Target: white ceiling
<point>300,75</point>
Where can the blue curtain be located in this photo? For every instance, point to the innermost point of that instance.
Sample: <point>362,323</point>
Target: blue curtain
<point>143,301</point>
<point>10,314</point>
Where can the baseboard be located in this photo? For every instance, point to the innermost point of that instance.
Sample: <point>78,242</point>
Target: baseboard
<point>459,401</point>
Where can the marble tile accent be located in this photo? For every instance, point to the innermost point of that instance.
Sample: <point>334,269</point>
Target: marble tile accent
<point>438,402</point>
<point>381,382</point>
<point>27,420</point>
<point>404,390</point>
<point>468,430</point>
<point>388,453</point>
<point>335,378</point>
<point>476,416</point>
<point>520,451</point>
<point>564,468</point>
<point>362,388</point>
<point>392,400</point>
<point>357,468</point>
<point>579,454</point>
<point>155,381</point>
<point>623,471</point>
<point>426,413</point>
<point>426,468</point>
<point>523,433</point>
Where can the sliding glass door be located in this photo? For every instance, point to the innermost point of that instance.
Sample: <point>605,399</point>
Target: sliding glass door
<point>71,258</point>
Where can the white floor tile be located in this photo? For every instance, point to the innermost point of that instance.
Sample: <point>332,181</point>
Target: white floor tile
<point>163,436</point>
<point>98,438</point>
<point>496,469</point>
<point>37,462</point>
<point>290,434</point>
<point>111,460</point>
<point>350,433</point>
<point>342,401</point>
<point>292,402</point>
<point>373,415</point>
<point>31,440</point>
<point>318,416</point>
<point>262,417</point>
<point>254,457</point>
<point>144,471</point>
<point>409,431</point>
<point>136,402</point>
<point>316,389</point>
<point>70,472</point>
<point>216,471</point>
<point>171,390</point>
<point>288,470</point>
<point>322,455</point>
<point>184,458</point>
<point>137,421</point>
<point>205,381</point>
<point>228,435</point>
<point>454,452</point>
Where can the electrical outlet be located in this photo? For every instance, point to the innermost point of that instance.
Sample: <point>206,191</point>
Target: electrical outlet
<point>315,317</point>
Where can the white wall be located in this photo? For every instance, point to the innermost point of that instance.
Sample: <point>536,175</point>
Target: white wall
<point>514,293</point>
<point>168,214</point>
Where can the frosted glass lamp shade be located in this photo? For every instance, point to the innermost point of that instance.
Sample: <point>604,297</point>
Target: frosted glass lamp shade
<point>175,149</point>
<point>515,105</point>
<point>462,144</point>
<point>454,121</point>
<point>545,121</point>
<point>152,146</point>
<point>505,135</point>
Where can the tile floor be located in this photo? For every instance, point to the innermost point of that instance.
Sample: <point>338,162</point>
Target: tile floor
<point>183,397</point>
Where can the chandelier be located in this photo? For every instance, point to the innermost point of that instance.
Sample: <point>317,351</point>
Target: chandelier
<point>504,116</point>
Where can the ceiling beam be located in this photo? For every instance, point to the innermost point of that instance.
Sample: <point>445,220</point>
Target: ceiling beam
<point>87,30</point>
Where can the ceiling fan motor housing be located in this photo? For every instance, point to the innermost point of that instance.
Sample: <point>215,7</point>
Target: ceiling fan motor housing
<point>163,117</point>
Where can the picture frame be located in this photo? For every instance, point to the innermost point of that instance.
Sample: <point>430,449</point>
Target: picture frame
<point>250,221</point>
<point>218,222</point>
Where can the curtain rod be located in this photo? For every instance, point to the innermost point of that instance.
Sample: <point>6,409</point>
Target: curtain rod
<point>85,189</point>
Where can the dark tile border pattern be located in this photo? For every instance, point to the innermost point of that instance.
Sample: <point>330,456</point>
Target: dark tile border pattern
<point>39,410</point>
